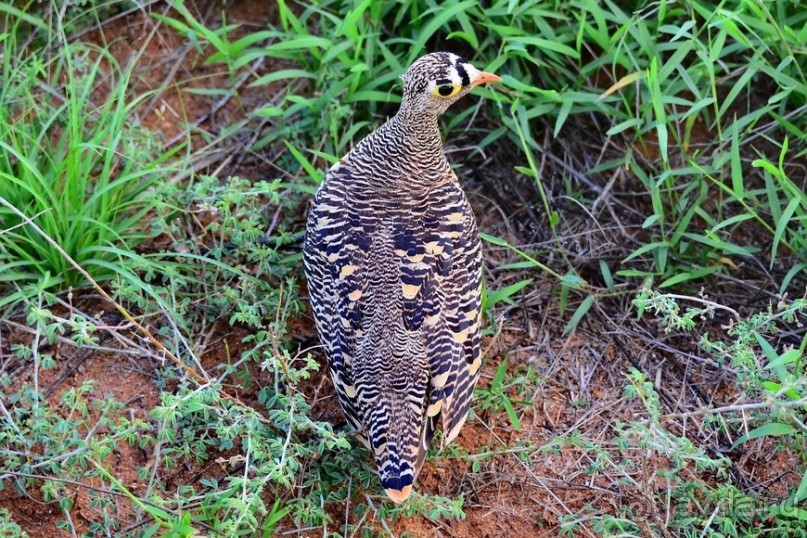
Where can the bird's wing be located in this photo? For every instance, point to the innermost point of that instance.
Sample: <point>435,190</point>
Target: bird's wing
<point>437,300</point>
<point>441,285</point>
<point>334,252</point>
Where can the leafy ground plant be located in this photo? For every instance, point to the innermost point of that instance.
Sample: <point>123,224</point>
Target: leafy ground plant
<point>770,406</point>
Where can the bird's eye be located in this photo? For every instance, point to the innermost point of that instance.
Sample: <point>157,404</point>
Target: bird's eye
<point>446,90</point>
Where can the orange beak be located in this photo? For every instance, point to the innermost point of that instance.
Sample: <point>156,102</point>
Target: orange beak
<point>484,78</point>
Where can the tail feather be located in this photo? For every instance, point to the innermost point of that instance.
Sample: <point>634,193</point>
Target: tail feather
<point>396,448</point>
<point>398,487</point>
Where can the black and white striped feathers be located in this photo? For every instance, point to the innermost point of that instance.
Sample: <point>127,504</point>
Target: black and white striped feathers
<point>393,261</point>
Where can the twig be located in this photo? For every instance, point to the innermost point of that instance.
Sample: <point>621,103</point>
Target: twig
<point>67,373</point>
<point>35,352</point>
<point>9,418</point>
<point>380,519</point>
<point>736,407</point>
<point>134,351</point>
<point>711,518</point>
<point>701,300</point>
<point>347,504</point>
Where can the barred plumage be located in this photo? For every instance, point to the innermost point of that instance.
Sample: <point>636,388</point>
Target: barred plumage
<point>393,261</point>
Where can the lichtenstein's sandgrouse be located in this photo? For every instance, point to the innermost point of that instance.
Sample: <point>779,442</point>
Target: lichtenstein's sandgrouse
<point>393,261</point>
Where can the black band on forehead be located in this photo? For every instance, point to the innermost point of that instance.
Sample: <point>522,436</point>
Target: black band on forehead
<point>466,80</point>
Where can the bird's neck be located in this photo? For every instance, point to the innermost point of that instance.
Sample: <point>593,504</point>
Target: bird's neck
<point>417,142</point>
<point>403,155</point>
<point>417,129</point>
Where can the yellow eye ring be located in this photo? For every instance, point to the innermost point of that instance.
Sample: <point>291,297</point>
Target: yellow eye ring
<point>446,90</point>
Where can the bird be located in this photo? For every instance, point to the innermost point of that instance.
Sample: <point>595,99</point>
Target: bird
<point>392,257</point>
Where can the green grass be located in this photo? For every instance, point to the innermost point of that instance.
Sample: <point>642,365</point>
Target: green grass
<point>684,118</point>
<point>74,161</point>
<point>674,85</point>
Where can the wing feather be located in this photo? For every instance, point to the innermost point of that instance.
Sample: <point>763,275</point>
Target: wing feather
<point>333,255</point>
<point>444,264</point>
<point>433,303</point>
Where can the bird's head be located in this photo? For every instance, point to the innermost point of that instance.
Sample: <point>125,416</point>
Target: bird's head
<point>435,81</point>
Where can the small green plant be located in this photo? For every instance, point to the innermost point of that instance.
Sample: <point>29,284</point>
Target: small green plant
<point>499,396</point>
<point>50,446</point>
<point>8,528</point>
<point>777,383</point>
<point>694,493</point>
<point>226,247</point>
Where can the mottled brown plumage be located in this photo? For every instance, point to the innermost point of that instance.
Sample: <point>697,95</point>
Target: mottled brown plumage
<point>393,261</point>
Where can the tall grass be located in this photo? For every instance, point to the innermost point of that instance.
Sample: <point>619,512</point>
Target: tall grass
<point>704,98</point>
<point>72,159</point>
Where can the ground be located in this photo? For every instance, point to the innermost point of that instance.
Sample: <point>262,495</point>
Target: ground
<point>567,385</point>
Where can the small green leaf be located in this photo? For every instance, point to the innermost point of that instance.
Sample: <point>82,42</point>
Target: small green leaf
<point>565,108</point>
<point>801,493</point>
<point>468,38</point>
<point>607,276</point>
<point>621,83</point>
<point>282,74</point>
<point>504,294</point>
<point>770,353</point>
<point>578,315</point>
<point>690,275</point>
<point>634,273</point>
<point>796,269</point>
<point>269,112</point>
<point>736,168</point>
<point>529,172</point>
<point>645,249</point>
<point>511,413</point>
<point>621,126</point>
<point>762,163</point>
<point>498,379</point>
<point>772,386</point>
<point>781,226</point>
<point>298,43</point>
<point>305,163</point>
<point>151,531</point>
<point>768,430</point>
<point>783,153</point>
<point>351,20</point>
<point>789,510</point>
<point>494,240</point>
<point>547,44</point>
<point>572,281</point>
<point>441,16</point>
<point>787,357</point>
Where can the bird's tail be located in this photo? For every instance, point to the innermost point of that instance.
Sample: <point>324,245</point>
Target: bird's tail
<point>396,445</point>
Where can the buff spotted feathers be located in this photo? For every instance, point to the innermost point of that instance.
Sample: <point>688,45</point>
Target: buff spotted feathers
<point>393,261</point>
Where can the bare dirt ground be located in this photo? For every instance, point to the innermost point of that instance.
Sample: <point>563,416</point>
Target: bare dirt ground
<point>524,484</point>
